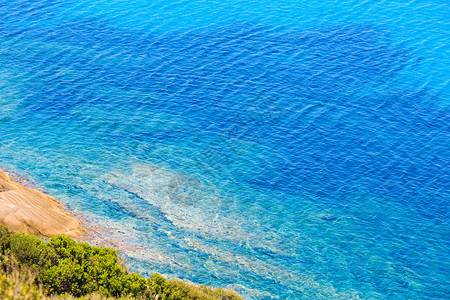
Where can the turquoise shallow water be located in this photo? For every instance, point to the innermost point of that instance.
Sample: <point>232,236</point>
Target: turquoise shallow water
<point>286,149</point>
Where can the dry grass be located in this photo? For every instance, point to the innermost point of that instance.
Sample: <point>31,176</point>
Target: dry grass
<point>93,296</point>
<point>18,285</point>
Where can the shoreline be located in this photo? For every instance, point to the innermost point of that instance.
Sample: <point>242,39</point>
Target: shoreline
<point>28,210</point>
<point>24,209</point>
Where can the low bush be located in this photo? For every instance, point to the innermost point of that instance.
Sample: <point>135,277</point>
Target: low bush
<point>63,266</point>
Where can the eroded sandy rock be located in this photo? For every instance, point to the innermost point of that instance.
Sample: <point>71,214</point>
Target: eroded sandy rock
<point>23,209</point>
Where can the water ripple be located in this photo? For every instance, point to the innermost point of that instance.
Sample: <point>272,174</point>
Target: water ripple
<point>289,151</point>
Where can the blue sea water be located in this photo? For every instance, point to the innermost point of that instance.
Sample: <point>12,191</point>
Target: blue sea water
<point>285,149</point>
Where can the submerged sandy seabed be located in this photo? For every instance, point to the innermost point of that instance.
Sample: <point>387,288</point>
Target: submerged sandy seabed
<point>23,209</point>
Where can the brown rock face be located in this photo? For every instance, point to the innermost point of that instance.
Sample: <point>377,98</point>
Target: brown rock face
<point>23,209</point>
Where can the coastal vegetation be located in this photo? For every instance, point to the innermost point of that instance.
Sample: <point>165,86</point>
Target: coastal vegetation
<point>62,268</point>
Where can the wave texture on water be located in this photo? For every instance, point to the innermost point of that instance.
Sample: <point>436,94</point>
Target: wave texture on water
<point>287,150</point>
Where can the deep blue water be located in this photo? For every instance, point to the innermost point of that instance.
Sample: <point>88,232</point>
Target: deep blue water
<point>286,149</point>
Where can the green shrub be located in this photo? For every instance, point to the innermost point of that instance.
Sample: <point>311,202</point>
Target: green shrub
<point>135,285</point>
<point>160,286</point>
<point>201,292</point>
<point>65,267</point>
<point>82,269</point>
<point>5,238</point>
<point>31,251</point>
